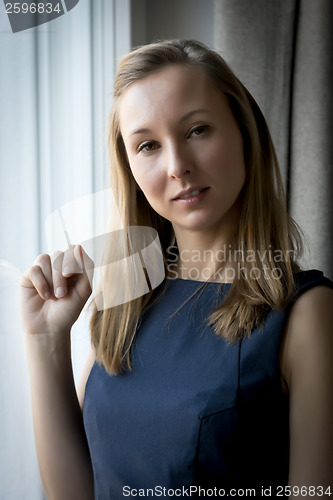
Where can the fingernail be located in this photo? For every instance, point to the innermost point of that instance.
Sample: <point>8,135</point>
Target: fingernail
<point>66,270</point>
<point>60,292</point>
<point>47,295</point>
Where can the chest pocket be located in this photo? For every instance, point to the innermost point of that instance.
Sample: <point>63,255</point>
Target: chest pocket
<point>216,452</point>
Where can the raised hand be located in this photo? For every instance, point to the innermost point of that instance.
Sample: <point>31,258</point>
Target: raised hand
<point>54,291</point>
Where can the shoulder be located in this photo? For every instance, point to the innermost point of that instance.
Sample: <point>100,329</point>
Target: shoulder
<point>309,331</point>
<point>309,325</point>
<point>312,309</point>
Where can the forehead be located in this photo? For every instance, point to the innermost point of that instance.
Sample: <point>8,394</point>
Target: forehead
<point>172,90</point>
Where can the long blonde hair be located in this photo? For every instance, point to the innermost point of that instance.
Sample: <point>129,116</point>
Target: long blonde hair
<point>264,225</point>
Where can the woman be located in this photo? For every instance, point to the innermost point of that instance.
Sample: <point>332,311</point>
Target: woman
<point>221,378</point>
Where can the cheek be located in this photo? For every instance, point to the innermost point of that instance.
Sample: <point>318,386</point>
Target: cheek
<point>137,178</point>
<point>138,174</point>
<point>148,178</point>
<point>228,163</point>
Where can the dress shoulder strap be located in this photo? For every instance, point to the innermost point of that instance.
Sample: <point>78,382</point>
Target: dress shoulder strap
<point>305,280</point>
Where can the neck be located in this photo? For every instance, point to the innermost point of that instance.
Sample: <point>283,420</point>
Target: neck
<point>202,257</point>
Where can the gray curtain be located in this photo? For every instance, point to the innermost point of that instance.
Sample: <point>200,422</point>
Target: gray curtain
<point>282,52</point>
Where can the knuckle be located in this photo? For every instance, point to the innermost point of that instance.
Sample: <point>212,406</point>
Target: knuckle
<point>41,260</point>
<point>36,275</point>
<point>35,270</point>
<point>56,255</point>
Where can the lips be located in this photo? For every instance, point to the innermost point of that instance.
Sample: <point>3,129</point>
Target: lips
<point>189,192</point>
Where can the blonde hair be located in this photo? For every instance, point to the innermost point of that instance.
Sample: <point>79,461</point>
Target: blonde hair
<point>264,222</point>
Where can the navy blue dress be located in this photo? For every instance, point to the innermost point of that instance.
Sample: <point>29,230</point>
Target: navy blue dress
<point>194,411</point>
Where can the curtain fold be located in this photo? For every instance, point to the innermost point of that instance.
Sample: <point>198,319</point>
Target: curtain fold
<point>19,472</point>
<point>282,52</point>
<point>311,161</point>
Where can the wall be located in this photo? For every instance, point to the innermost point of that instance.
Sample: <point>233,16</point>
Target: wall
<point>156,19</point>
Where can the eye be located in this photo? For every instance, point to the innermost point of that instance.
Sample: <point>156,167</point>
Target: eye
<point>147,147</point>
<point>198,130</point>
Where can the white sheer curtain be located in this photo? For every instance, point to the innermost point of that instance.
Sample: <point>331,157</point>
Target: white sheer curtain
<point>55,94</point>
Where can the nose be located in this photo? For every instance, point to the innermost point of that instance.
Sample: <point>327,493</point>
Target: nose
<point>179,161</point>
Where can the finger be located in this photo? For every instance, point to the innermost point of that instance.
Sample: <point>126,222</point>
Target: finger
<point>59,281</point>
<point>86,262</point>
<point>87,266</point>
<point>34,278</point>
<point>72,262</point>
<point>44,262</point>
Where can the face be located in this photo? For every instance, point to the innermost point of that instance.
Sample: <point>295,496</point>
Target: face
<point>184,148</point>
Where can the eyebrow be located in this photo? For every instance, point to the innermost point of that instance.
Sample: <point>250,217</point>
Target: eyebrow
<point>182,119</point>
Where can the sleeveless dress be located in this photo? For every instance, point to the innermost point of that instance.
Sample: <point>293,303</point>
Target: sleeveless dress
<point>194,412</point>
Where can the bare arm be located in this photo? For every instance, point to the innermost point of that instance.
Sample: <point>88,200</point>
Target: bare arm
<point>81,385</point>
<point>307,366</point>
<point>61,443</point>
